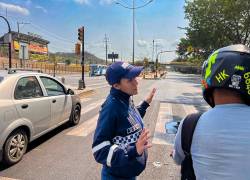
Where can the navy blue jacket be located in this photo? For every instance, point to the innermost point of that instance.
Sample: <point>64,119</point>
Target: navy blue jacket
<point>118,128</point>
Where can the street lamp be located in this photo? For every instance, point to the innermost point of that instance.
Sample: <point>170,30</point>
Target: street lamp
<point>9,38</point>
<point>156,61</point>
<point>133,8</point>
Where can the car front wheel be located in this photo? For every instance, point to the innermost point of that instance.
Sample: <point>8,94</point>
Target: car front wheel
<point>15,147</point>
<point>75,115</point>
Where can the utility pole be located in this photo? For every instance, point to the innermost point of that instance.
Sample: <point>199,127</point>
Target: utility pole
<point>156,61</point>
<point>18,39</point>
<point>153,50</point>
<point>133,58</point>
<point>9,39</point>
<point>133,8</point>
<point>106,47</point>
<point>156,48</point>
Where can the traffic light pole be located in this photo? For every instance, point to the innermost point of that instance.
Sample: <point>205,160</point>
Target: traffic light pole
<point>81,81</point>
<point>156,61</point>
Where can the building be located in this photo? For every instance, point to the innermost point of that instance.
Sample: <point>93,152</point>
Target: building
<point>27,46</point>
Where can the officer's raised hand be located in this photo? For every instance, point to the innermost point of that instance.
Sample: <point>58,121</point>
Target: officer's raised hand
<point>142,143</point>
<point>150,96</point>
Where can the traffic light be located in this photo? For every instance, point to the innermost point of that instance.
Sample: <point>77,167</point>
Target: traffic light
<point>78,49</point>
<point>80,34</point>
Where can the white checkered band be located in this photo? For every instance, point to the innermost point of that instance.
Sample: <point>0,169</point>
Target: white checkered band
<point>124,141</point>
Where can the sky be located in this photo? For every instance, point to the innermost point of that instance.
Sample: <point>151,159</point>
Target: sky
<point>58,20</point>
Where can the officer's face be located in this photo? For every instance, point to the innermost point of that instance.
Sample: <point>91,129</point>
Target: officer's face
<point>128,86</point>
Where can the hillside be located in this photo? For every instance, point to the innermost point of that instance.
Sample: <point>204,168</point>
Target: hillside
<point>73,58</point>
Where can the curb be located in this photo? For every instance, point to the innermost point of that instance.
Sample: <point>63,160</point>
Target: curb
<point>83,92</point>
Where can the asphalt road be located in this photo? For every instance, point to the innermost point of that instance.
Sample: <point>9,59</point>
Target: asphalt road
<point>66,153</point>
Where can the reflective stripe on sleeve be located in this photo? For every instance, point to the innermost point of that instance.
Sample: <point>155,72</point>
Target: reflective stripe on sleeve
<point>100,146</point>
<point>111,152</point>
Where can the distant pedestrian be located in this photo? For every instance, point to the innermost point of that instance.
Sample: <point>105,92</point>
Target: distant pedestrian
<point>121,141</point>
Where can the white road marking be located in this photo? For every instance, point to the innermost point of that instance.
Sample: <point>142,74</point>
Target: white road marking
<point>165,115</point>
<point>6,178</point>
<point>97,84</point>
<point>89,125</point>
<point>102,87</point>
<point>85,128</point>
<point>92,106</point>
<point>85,99</point>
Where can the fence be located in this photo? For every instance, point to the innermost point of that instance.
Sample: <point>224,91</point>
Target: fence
<point>45,67</point>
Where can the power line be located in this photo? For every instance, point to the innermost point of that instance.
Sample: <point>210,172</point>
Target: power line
<point>52,34</point>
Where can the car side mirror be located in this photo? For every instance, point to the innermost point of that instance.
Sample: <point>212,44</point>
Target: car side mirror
<point>172,127</point>
<point>70,91</point>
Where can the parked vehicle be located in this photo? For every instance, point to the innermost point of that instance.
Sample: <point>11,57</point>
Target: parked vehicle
<point>97,70</point>
<point>32,104</point>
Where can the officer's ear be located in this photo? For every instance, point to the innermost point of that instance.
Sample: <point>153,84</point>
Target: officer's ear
<point>116,86</point>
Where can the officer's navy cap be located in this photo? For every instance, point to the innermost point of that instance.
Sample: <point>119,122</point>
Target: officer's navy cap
<point>119,70</point>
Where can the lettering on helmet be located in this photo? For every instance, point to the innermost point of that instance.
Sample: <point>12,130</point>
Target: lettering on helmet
<point>247,81</point>
<point>221,76</point>
<point>211,61</point>
<point>235,81</point>
<point>238,67</point>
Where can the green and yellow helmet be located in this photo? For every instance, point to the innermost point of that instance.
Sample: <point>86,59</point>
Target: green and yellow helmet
<point>228,67</point>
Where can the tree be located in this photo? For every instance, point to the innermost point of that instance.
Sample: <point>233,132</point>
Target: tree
<point>182,47</point>
<point>138,63</point>
<point>217,23</point>
<point>145,62</point>
<point>52,58</point>
<point>67,61</point>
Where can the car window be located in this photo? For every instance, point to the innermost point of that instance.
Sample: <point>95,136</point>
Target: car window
<point>28,87</point>
<point>52,87</point>
<point>1,78</point>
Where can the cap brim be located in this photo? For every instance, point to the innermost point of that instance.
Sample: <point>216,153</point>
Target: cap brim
<point>133,72</point>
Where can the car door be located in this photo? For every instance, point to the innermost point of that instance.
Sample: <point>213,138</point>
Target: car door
<point>61,103</point>
<point>31,103</point>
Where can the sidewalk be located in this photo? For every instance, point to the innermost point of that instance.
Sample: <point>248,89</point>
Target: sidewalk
<point>152,75</point>
<point>82,93</point>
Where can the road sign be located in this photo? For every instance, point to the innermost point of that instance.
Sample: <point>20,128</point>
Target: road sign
<point>190,49</point>
<point>113,56</point>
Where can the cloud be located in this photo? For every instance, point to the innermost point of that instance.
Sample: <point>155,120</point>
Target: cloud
<point>42,8</point>
<point>14,8</point>
<point>160,43</point>
<point>175,43</point>
<point>142,43</point>
<point>106,2</point>
<point>95,45</point>
<point>82,1</point>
